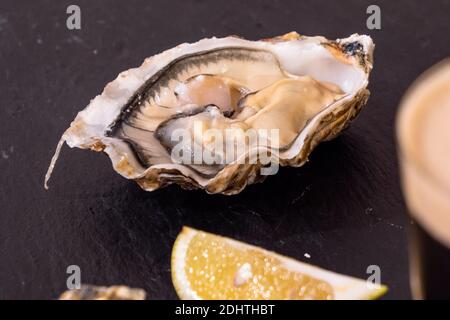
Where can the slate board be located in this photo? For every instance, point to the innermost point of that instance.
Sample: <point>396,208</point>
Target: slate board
<point>344,208</point>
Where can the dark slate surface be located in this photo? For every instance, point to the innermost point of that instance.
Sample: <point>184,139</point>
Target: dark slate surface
<point>344,207</point>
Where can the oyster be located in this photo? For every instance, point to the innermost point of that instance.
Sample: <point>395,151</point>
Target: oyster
<point>90,292</point>
<point>281,96</point>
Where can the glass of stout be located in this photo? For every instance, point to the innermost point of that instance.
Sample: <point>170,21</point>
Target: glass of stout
<point>423,134</point>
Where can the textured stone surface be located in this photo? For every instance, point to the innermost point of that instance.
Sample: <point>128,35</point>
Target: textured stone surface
<point>343,209</point>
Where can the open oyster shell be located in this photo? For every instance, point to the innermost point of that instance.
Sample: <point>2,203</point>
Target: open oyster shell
<point>307,88</point>
<point>91,292</point>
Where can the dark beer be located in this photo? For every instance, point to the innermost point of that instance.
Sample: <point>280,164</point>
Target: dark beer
<point>423,131</point>
<point>430,265</point>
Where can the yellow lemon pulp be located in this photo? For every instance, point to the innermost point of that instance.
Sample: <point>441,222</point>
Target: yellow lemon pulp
<point>217,269</point>
<point>206,266</point>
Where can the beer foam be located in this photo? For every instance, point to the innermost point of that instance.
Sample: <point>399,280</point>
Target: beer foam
<point>423,130</point>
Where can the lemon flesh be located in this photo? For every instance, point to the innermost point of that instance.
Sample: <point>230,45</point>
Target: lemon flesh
<point>207,266</point>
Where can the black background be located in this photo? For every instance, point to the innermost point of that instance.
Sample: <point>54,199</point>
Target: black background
<point>344,207</point>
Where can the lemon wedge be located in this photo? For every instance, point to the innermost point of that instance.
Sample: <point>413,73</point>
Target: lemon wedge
<point>207,266</point>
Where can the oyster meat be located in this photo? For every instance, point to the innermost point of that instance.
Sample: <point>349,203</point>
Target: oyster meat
<point>222,113</point>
